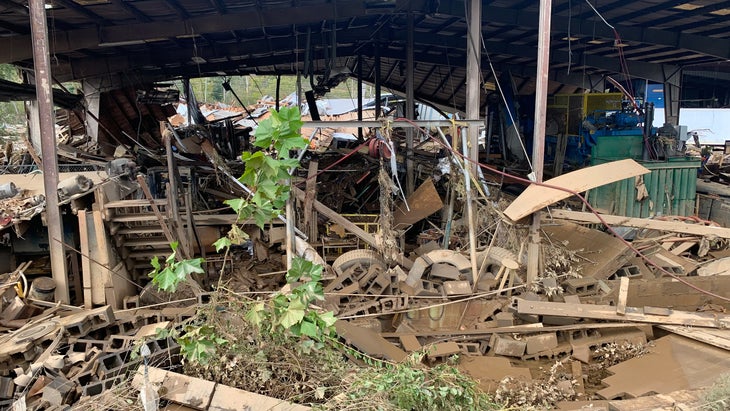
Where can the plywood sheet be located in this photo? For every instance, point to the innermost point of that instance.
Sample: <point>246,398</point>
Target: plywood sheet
<point>673,363</point>
<point>421,204</point>
<point>536,197</point>
<point>603,253</point>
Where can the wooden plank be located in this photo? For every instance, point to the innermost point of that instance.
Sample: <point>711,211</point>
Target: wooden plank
<point>623,292</point>
<point>607,312</point>
<point>515,329</point>
<point>536,197</point>
<point>673,226</point>
<point>683,247</point>
<point>310,219</point>
<point>85,262</point>
<point>133,203</point>
<point>718,338</point>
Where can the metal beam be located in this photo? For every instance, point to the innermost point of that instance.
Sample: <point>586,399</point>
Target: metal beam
<point>19,48</point>
<point>83,11</point>
<point>595,29</point>
<point>13,6</point>
<point>126,6</point>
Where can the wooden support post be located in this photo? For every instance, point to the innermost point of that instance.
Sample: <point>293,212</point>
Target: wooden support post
<point>310,216</point>
<point>623,293</point>
<point>538,146</point>
<point>85,261</point>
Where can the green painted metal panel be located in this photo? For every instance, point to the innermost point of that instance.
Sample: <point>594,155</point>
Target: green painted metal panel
<point>616,147</point>
<point>671,186</point>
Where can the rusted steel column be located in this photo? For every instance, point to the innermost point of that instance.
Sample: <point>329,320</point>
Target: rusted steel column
<point>538,146</point>
<point>44,93</point>
<point>410,108</point>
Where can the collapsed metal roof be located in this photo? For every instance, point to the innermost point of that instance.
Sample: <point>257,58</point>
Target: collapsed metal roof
<point>145,40</point>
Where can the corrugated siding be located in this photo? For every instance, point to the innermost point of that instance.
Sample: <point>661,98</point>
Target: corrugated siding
<point>671,186</point>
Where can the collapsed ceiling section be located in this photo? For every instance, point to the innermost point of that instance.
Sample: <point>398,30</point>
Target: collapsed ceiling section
<point>141,41</point>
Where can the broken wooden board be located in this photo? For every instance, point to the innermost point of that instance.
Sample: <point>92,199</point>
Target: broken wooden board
<point>671,293</point>
<point>608,312</point>
<point>201,394</point>
<point>619,221</point>
<point>421,204</point>
<point>673,363</point>
<point>715,267</point>
<point>717,338</point>
<point>674,401</point>
<point>369,342</point>
<point>537,197</point>
<point>603,253</point>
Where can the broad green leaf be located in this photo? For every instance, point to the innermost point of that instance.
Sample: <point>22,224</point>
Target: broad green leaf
<point>174,245</point>
<point>309,329</point>
<point>166,280</point>
<point>264,133</point>
<point>283,146</point>
<point>291,316</point>
<point>236,204</point>
<point>328,318</point>
<point>221,243</point>
<point>255,315</point>
<point>268,188</point>
<point>155,263</point>
<point>186,267</point>
<point>171,258</point>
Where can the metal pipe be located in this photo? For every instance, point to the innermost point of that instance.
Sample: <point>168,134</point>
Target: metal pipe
<point>538,146</point>
<point>410,108</point>
<point>359,97</point>
<point>42,64</point>
<point>378,82</point>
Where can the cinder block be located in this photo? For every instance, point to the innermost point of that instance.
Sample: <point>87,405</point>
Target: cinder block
<point>507,346</point>
<point>7,388</point>
<point>541,342</point>
<point>505,319</point>
<point>58,391</point>
<point>581,286</point>
<point>442,350</point>
<point>410,343</point>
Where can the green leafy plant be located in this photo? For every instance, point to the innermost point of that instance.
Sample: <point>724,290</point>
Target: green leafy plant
<point>169,277</point>
<point>291,312</point>
<point>198,343</point>
<point>267,168</point>
<point>409,385</point>
<point>717,397</point>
